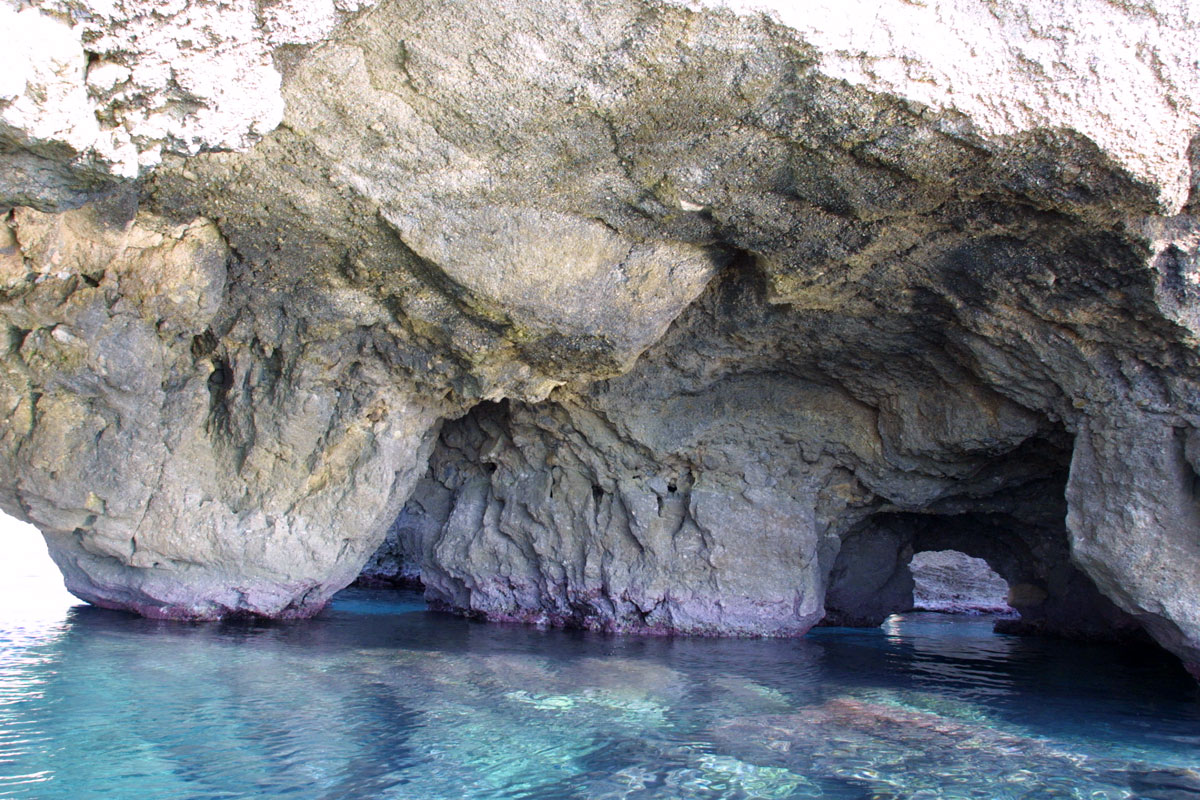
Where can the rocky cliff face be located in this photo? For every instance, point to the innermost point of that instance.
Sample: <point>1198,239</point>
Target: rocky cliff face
<point>658,316</point>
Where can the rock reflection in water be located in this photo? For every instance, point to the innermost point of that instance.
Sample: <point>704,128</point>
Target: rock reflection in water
<point>380,699</point>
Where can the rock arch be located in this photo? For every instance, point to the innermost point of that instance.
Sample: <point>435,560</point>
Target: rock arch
<point>744,300</point>
<point>871,579</point>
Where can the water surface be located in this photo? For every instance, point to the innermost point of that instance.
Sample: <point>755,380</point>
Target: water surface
<point>379,698</point>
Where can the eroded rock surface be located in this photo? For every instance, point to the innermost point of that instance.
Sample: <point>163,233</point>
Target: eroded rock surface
<point>95,93</point>
<point>954,582</point>
<point>693,319</point>
<point>173,471</point>
<point>903,740</point>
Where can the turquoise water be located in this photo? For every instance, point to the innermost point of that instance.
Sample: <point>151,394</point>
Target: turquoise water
<point>379,698</point>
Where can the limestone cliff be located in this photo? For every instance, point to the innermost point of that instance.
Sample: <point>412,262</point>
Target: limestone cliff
<point>658,316</point>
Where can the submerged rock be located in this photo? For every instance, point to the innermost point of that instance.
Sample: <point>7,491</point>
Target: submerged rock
<point>887,748</point>
<point>659,317</point>
<point>1165,784</point>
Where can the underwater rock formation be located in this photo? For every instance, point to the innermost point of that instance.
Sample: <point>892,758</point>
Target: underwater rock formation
<point>896,738</point>
<point>659,317</point>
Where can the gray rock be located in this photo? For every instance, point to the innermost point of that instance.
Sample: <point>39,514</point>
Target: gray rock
<point>174,471</point>
<point>950,581</point>
<point>724,314</point>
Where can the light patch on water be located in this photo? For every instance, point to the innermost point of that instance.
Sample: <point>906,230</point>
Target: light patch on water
<point>542,702</point>
<point>34,595</point>
<point>33,612</point>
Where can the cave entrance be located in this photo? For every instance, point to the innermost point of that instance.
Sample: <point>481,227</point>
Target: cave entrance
<point>32,594</point>
<point>952,582</point>
<point>459,470</point>
<point>1010,512</point>
<point>872,579</point>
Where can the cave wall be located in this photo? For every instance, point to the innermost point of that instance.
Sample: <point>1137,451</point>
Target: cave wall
<point>737,472</point>
<point>665,302</point>
<point>174,471</point>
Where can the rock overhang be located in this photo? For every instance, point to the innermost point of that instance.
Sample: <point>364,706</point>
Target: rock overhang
<point>801,266</point>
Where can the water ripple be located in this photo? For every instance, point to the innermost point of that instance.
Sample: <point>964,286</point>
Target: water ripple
<point>380,699</point>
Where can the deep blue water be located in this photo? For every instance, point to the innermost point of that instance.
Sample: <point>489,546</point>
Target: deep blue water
<point>379,698</point>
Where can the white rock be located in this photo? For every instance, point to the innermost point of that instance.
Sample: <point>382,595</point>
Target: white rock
<point>155,58</point>
<point>42,90</point>
<point>1122,74</point>
<point>105,75</point>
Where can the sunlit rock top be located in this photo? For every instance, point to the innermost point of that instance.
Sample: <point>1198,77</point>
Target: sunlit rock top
<point>1121,73</point>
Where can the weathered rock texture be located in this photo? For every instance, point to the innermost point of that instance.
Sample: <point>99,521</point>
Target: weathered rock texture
<point>728,314</point>
<point>953,582</point>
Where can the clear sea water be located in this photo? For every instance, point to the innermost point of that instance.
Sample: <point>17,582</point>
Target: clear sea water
<point>378,698</point>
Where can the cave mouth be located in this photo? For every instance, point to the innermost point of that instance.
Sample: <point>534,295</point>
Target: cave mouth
<point>952,582</point>
<point>871,578</point>
<point>31,585</point>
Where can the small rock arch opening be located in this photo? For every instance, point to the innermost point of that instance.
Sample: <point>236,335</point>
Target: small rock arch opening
<point>872,576</point>
<point>1010,511</point>
<point>952,582</point>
